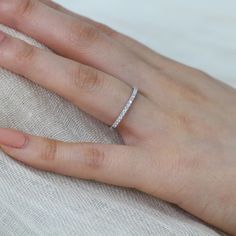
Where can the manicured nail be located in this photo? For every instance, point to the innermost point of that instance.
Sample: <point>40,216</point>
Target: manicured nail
<point>2,36</point>
<point>12,138</point>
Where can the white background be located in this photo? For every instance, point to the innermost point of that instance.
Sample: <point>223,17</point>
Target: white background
<point>200,33</point>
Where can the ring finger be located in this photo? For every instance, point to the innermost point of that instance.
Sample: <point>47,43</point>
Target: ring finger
<point>95,92</point>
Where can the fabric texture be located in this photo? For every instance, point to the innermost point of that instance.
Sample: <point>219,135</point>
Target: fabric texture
<point>34,202</point>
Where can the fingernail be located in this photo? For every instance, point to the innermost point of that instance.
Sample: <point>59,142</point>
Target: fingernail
<point>2,36</point>
<point>12,138</point>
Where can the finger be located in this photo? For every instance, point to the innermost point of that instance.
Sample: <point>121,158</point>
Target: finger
<point>95,92</point>
<point>180,72</point>
<point>112,164</point>
<point>170,66</point>
<point>140,49</point>
<point>76,39</point>
<point>167,66</point>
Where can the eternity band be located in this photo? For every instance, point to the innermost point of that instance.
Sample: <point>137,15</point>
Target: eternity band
<point>126,108</point>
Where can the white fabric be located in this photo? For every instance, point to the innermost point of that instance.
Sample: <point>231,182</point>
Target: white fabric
<point>34,202</point>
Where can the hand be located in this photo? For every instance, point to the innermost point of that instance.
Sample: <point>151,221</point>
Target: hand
<point>180,133</point>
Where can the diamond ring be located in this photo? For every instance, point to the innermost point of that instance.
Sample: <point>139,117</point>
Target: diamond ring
<point>126,108</point>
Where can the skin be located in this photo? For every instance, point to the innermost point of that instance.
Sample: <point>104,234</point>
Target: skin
<point>180,134</point>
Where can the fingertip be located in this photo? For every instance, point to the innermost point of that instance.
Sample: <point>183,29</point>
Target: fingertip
<point>13,138</point>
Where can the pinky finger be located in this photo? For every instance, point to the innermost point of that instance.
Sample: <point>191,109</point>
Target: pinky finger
<point>112,164</point>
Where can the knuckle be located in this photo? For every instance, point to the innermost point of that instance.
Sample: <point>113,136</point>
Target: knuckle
<point>185,121</point>
<point>55,5</point>
<point>105,29</point>
<point>24,52</point>
<point>86,79</point>
<point>82,35</point>
<point>193,94</point>
<point>183,89</point>
<point>198,73</point>
<point>88,33</point>
<point>94,157</point>
<point>49,152</point>
<point>23,8</point>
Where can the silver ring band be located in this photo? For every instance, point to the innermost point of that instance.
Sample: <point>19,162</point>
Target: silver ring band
<point>126,108</point>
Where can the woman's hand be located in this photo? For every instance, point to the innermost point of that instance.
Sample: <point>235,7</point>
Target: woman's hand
<point>180,133</point>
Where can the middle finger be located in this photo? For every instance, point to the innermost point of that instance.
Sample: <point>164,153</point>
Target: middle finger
<point>76,39</point>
